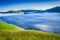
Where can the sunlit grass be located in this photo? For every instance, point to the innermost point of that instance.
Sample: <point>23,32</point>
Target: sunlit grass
<point>6,26</point>
<point>27,35</point>
<point>11,32</point>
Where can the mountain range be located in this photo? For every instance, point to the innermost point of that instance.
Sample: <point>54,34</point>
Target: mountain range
<point>53,10</point>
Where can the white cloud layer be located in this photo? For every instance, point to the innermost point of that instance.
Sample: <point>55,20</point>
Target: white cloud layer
<point>44,27</point>
<point>10,14</point>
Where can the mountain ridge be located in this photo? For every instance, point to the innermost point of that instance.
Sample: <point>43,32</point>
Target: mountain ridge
<point>54,9</point>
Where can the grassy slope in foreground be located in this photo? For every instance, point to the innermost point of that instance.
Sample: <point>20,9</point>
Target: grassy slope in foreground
<point>12,33</point>
<point>27,35</point>
<point>6,26</point>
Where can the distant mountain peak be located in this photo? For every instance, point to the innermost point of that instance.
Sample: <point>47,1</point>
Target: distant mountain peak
<point>54,9</point>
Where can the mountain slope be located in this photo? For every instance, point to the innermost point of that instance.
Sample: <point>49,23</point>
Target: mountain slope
<point>11,32</point>
<point>54,9</point>
<point>28,35</point>
<point>6,26</point>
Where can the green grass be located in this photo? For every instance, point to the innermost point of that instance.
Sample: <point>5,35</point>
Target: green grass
<point>27,35</point>
<point>10,32</point>
<point>6,26</point>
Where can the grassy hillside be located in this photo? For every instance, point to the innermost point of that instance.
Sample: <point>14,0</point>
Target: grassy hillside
<point>12,32</point>
<point>6,26</point>
<point>27,35</point>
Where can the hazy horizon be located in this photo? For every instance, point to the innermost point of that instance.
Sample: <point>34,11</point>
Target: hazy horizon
<point>6,5</point>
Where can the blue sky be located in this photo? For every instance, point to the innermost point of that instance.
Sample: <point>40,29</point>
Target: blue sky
<point>6,5</point>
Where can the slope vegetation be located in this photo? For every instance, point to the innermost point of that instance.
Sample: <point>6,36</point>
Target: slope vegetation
<point>6,26</point>
<point>11,32</point>
<point>27,35</point>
